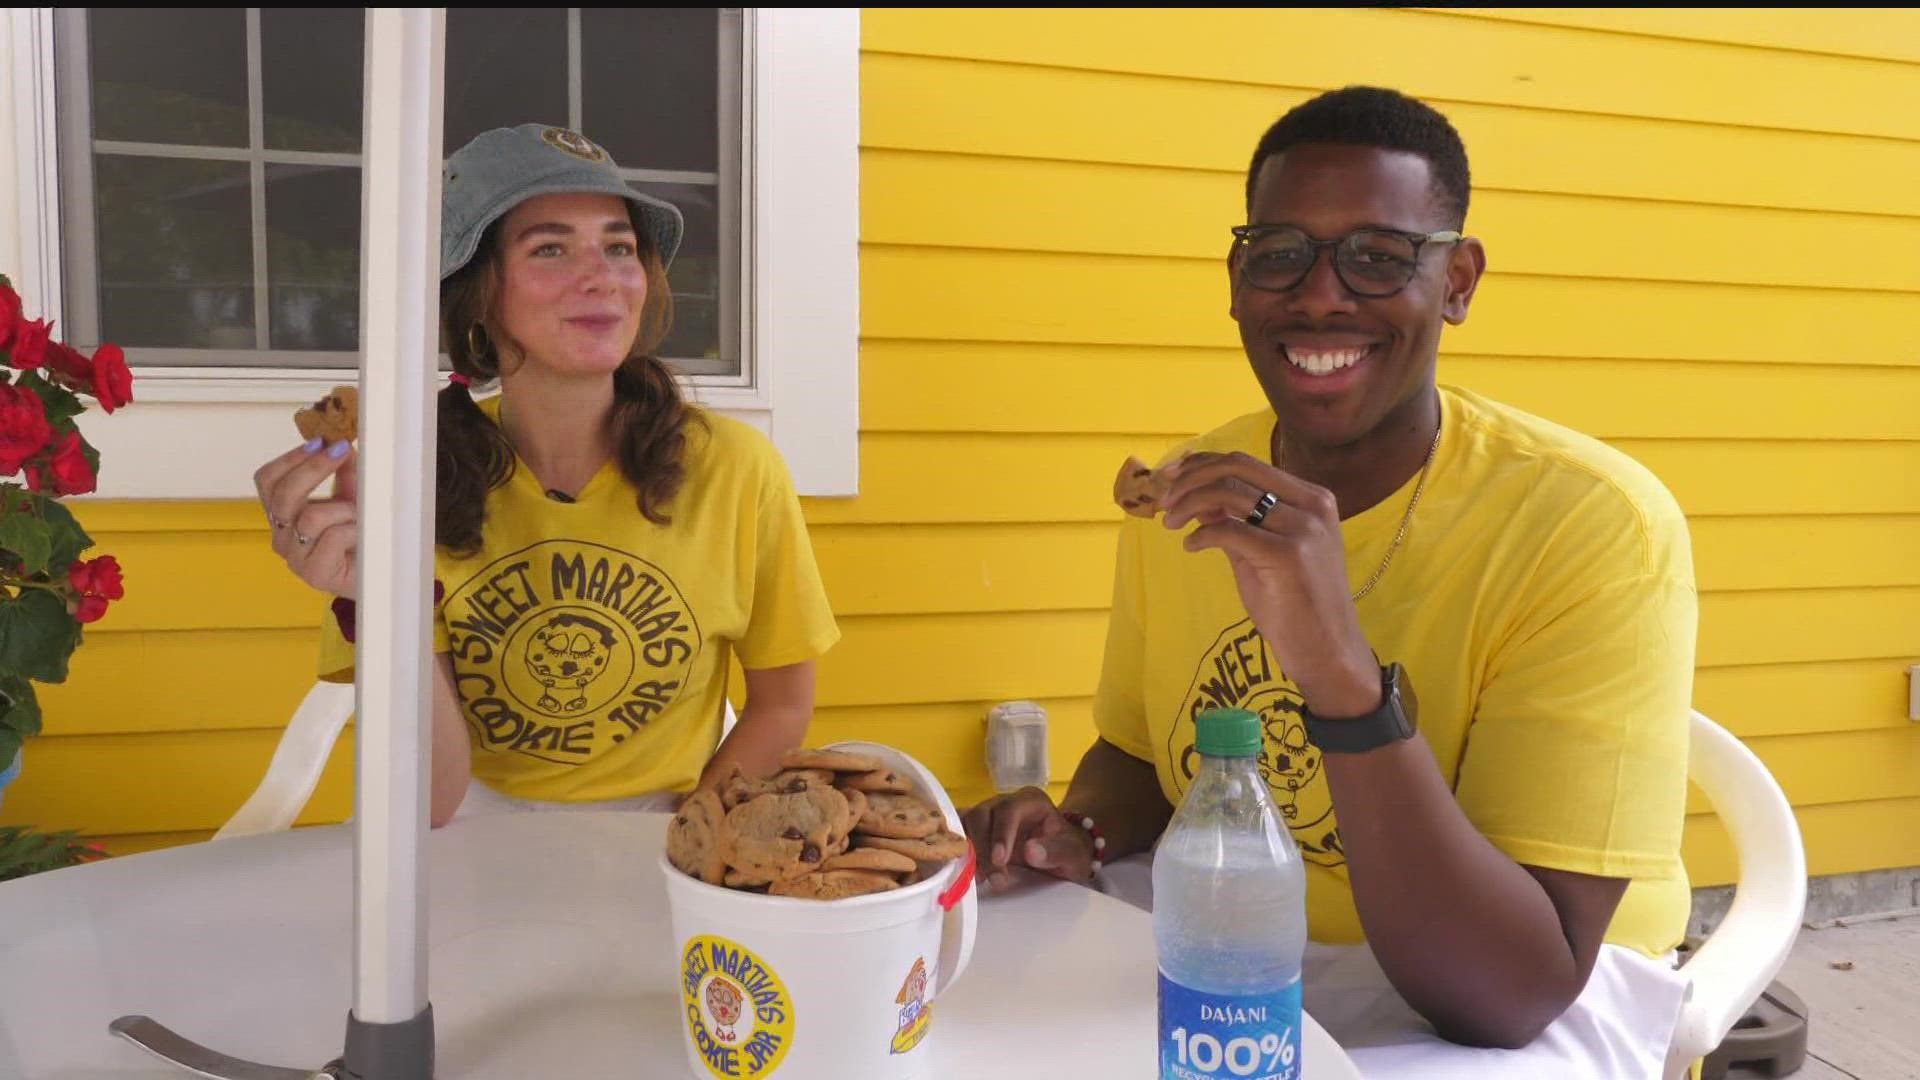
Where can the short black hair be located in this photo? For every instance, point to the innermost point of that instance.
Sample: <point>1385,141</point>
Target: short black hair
<point>1386,119</point>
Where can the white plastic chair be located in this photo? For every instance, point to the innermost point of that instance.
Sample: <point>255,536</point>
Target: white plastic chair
<point>1735,963</point>
<point>302,756</point>
<point>297,763</point>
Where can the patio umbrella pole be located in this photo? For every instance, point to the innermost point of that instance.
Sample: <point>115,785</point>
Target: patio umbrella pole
<point>390,1028</point>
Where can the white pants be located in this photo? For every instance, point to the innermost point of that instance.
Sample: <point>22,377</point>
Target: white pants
<point>1618,1028</point>
<point>482,799</point>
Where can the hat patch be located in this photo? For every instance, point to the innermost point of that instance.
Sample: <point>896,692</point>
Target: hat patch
<point>573,143</point>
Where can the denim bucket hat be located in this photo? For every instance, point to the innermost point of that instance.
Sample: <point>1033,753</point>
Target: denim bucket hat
<point>502,168</point>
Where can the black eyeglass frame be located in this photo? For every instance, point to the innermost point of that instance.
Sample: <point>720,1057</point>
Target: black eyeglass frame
<point>1245,235</point>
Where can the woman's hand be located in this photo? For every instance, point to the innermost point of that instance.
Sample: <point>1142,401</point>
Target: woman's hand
<point>317,537</point>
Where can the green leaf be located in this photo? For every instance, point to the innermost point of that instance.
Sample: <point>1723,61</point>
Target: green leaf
<point>27,536</point>
<point>9,745</point>
<point>68,538</point>
<point>21,715</point>
<point>37,636</point>
<point>23,851</point>
<point>60,402</point>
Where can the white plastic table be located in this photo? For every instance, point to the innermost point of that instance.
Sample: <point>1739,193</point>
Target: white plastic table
<point>551,955</point>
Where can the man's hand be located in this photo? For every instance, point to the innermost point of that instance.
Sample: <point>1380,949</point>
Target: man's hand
<point>1291,570</point>
<point>1026,829</point>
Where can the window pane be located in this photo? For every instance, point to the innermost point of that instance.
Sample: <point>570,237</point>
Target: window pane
<point>171,75</point>
<point>176,255</point>
<point>310,77</point>
<point>313,257</point>
<point>505,66</point>
<point>174,265</point>
<point>647,86</point>
<point>695,274</point>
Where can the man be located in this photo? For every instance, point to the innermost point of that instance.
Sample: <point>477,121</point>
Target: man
<point>1371,533</point>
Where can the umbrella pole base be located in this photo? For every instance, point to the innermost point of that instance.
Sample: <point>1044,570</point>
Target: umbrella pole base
<point>196,1060</point>
<point>402,1051</point>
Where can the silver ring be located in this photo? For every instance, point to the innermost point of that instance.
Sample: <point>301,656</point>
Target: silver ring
<point>1268,500</point>
<point>301,540</point>
<point>276,522</point>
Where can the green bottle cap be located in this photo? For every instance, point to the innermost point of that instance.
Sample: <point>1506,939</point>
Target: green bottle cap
<point>1227,733</point>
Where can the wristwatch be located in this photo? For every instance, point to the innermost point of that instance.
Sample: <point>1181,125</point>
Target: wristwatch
<point>1392,720</point>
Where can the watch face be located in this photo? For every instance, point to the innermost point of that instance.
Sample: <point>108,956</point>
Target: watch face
<point>1393,720</point>
<point>1406,706</point>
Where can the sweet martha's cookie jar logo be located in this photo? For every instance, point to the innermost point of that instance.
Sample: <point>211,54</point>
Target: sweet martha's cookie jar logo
<point>738,1011</point>
<point>563,644</point>
<point>1238,671</point>
<point>915,1014</point>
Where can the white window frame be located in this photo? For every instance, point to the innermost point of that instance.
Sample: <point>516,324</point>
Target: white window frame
<point>802,166</point>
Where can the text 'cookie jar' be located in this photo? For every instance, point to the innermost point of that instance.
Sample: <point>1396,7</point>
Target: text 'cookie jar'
<point>817,915</point>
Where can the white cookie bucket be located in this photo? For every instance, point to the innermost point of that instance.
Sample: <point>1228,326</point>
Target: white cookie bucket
<point>777,986</point>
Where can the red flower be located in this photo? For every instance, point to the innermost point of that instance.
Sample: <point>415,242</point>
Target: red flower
<point>94,583</point>
<point>98,577</point>
<point>68,472</point>
<point>112,382</point>
<point>10,312</point>
<point>23,428</point>
<point>69,366</point>
<point>30,344</point>
<point>105,376</point>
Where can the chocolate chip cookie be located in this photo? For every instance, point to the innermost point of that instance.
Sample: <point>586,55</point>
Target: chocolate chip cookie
<point>934,847</point>
<point>694,840</point>
<point>739,788</point>
<point>834,885</point>
<point>334,418</point>
<point>784,836</point>
<point>835,760</point>
<point>890,781</point>
<point>899,816</point>
<point>870,858</point>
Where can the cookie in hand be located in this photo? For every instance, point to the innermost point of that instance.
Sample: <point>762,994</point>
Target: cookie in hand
<point>334,418</point>
<point>1139,490</point>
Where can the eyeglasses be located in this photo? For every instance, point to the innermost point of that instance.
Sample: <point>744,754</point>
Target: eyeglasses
<point>1370,262</point>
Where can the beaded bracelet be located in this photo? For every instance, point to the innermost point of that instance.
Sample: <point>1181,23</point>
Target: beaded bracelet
<point>1099,838</point>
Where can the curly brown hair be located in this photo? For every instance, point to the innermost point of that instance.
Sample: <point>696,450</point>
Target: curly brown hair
<point>649,420</point>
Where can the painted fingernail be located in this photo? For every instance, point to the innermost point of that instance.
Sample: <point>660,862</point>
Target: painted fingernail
<point>337,450</point>
<point>313,444</point>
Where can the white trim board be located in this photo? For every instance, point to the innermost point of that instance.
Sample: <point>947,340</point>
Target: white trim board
<point>807,245</point>
<point>199,434</point>
<point>29,199</point>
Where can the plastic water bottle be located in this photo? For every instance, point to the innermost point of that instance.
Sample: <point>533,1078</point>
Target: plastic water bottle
<point>1229,918</point>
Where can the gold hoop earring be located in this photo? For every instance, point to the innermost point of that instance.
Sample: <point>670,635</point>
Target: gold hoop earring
<point>477,342</point>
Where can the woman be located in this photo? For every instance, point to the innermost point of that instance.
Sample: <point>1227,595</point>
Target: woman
<point>602,547</point>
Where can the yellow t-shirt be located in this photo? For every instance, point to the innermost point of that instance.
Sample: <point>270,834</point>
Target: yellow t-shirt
<point>1543,605</point>
<point>590,645</point>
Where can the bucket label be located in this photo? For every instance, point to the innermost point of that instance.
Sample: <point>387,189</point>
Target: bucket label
<point>916,1016</point>
<point>1228,1037</point>
<point>738,1011</point>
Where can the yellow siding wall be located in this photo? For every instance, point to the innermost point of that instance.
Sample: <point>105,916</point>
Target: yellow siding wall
<point>1705,241</point>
